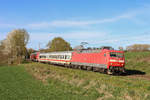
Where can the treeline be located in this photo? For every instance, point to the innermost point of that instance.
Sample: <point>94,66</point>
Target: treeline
<point>138,47</point>
<point>13,49</point>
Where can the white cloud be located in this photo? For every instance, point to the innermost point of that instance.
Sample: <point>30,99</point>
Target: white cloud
<point>96,38</point>
<point>78,35</point>
<point>71,23</point>
<point>81,35</point>
<point>80,23</point>
<point>4,25</point>
<point>75,38</point>
<point>132,14</point>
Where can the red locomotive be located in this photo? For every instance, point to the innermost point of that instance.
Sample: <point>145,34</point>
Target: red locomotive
<point>103,60</point>
<point>34,56</point>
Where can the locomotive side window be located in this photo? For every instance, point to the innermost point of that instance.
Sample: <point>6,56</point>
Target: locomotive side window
<point>104,54</point>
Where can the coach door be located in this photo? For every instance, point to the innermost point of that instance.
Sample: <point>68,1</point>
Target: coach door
<point>105,58</point>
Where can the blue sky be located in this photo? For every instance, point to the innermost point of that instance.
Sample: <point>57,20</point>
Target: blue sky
<point>99,22</point>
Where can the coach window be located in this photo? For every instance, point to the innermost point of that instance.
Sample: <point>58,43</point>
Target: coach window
<point>50,56</point>
<point>42,56</point>
<point>68,57</point>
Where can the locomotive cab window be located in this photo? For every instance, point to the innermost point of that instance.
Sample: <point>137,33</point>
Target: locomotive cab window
<point>116,54</point>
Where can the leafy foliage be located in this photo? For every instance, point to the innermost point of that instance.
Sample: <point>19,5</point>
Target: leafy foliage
<point>3,56</point>
<point>15,44</point>
<point>29,51</point>
<point>59,44</point>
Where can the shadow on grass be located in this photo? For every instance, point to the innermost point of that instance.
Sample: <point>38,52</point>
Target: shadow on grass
<point>134,72</point>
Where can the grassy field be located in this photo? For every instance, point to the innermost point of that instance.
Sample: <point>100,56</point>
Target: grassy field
<point>35,81</point>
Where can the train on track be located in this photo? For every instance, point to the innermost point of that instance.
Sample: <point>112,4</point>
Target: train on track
<point>104,60</point>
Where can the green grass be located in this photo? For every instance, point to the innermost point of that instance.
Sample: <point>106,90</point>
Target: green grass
<point>17,84</point>
<point>36,81</point>
<point>138,61</point>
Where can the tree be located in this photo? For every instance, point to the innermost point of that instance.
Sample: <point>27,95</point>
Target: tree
<point>49,44</point>
<point>1,45</point>
<point>59,44</point>
<point>15,44</point>
<point>29,51</point>
<point>3,56</point>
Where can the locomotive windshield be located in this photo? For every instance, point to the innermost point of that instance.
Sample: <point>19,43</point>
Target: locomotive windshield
<point>116,54</point>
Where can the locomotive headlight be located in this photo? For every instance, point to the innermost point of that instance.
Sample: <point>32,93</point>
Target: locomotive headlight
<point>122,61</point>
<point>112,60</point>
